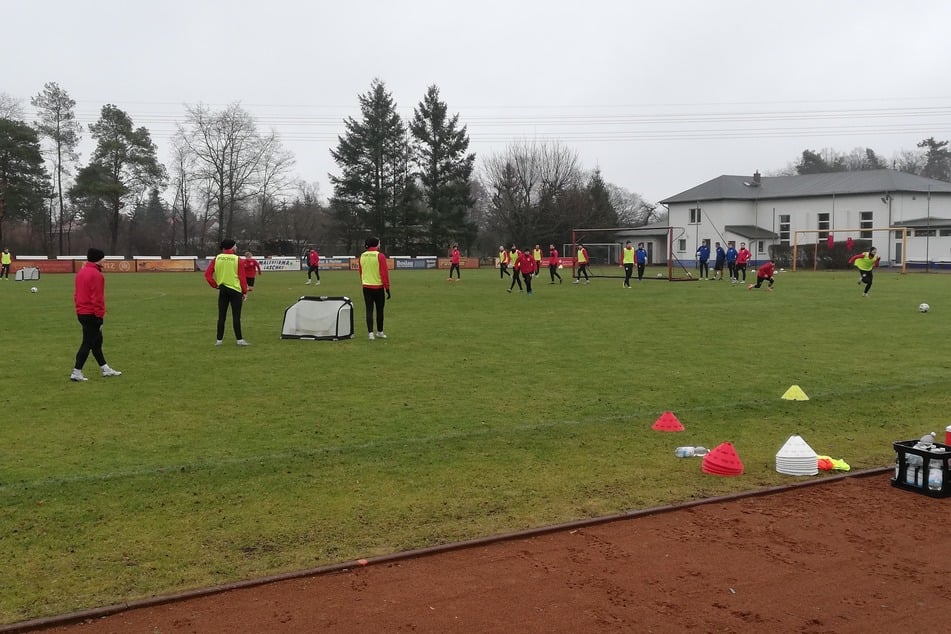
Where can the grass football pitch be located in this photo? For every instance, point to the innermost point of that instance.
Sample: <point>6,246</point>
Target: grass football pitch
<point>483,412</point>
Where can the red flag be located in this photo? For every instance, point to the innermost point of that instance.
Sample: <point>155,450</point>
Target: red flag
<point>830,241</point>
<point>848,243</point>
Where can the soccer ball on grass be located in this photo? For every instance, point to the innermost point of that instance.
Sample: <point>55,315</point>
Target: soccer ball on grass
<point>923,308</point>
<point>34,289</point>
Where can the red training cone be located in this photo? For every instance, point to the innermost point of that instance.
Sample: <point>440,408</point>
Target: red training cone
<point>667,422</point>
<point>722,460</point>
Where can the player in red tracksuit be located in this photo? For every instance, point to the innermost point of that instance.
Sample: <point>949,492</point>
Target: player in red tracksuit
<point>553,263</point>
<point>526,265</point>
<point>764,272</point>
<point>454,262</point>
<point>251,269</point>
<point>742,257</point>
<point>90,301</point>
<point>313,266</point>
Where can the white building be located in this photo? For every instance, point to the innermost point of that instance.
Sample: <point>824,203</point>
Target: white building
<point>768,210</point>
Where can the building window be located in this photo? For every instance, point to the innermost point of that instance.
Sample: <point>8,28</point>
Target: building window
<point>924,233</point>
<point>761,246</point>
<point>681,245</point>
<point>823,225</point>
<point>784,228</point>
<point>944,232</point>
<point>695,216</point>
<point>865,221</point>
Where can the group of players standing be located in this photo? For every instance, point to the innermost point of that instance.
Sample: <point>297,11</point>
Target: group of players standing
<point>527,264</point>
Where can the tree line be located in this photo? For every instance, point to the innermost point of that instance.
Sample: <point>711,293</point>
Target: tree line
<point>413,183</point>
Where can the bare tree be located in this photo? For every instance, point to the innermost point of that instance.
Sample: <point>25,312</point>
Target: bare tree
<point>229,152</point>
<point>533,190</point>
<point>10,107</point>
<point>273,180</point>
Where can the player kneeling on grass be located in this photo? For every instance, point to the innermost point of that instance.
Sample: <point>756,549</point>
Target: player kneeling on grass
<point>764,272</point>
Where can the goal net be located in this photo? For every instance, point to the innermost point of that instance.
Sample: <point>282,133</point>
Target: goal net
<point>827,250</point>
<point>319,318</point>
<point>605,247</point>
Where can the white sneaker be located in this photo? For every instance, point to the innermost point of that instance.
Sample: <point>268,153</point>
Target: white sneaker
<point>107,371</point>
<point>577,282</point>
<point>307,282</point>
<point>587,281</point>
<point>317,283</point>
<point>77,375</point>
<point>217,343</point>
<point>372,337</point>
<point>380,335</point>
<point>242,342</point>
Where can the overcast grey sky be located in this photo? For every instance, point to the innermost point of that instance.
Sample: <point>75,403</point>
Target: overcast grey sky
<point>661,95</point>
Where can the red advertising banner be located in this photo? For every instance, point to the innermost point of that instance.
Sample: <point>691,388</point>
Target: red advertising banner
<point>45,266</point>
<point>165,265</point>
<point>112,266</point>
<point>464,263</point>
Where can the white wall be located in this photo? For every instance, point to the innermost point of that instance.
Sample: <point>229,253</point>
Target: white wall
<point>845,213</point>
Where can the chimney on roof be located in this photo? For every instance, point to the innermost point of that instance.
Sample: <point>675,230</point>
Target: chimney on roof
<point>756,177</point>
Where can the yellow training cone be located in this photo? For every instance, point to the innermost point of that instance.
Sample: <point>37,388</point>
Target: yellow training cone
<point>795,393</point>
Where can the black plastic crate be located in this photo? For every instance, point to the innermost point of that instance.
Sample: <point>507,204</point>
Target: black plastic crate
<point>913,468</point>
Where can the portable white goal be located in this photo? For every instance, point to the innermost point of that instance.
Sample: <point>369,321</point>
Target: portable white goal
<point>319,318</point>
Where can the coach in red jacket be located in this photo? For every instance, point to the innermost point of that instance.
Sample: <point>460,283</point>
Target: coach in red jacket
<point>90,300</point>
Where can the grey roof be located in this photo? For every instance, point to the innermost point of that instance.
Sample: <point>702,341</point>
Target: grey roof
<point>751,232</point>
<point>919,223</point>
<point>729,187</point>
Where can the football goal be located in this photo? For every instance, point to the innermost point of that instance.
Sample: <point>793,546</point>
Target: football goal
<point>813,250</point>
<point>604,247</point>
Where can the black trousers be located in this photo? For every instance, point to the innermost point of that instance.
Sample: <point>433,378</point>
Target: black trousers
<point>732,267</point>
<point>229,297</point>
<point>583,269</point>
<point>866,277</point>
<point>92,341</point>
<point>760,280</point>
<point>503,270</point>
<point>374,298</point>
<point>453,267</point>
<point>553,272</point>
<point>628,272</point>
<point>5,271</point>
<point>704,269</point>
<point>315,270</point>
<point>741,268</point>
<point>640,271</point>
<point>516,279</point>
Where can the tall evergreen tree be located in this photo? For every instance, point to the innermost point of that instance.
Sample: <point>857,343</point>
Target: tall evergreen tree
<point>123,167</point>
<point>24,182</point>
<point>372,159</point>
<point>444,171</point>
<point>937,159</point>
<point>57,122</point>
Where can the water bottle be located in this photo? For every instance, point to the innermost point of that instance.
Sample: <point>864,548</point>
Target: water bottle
<point>947,435</point>
<point>935,475</point>
<point>897,464</point>
<point>689,452</point>
<point>913,468</point>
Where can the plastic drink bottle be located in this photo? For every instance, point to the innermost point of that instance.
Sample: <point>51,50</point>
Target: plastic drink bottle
<point>935,475</point>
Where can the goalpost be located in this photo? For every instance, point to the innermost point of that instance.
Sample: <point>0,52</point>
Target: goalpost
<point>605,245</point>
<point>818,255</point>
